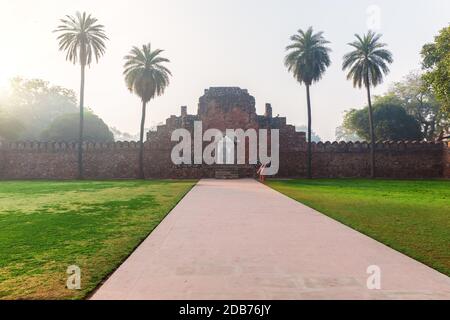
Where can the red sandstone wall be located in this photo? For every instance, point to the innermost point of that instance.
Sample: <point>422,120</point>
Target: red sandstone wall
<point>447,161</point>
<point>404,160</point>
<point>119,161</point>
<point>34,160</point>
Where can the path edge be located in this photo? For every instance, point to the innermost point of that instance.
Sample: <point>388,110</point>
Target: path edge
<point>359,231</point>
<point>91,293</point>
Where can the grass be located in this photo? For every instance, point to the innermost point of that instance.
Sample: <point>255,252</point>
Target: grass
<point>47,226</point>
<point>412,217</point>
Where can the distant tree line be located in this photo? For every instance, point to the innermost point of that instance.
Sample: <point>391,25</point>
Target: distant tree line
<point>314,136</point>
<point>35,110</point>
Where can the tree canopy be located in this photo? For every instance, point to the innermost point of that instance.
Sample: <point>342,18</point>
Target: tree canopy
<point>308,56</point>
<point>314,136</point>
<point>145,74</point>
<point>417,98</point>
<point>36,103</point>
<point>391,122</point>
<point>368,61</point>
<point>10,127</point>
<point>436,63</point>
<point>343,133</point>
<point>65,128</point>
<point>82,38</point>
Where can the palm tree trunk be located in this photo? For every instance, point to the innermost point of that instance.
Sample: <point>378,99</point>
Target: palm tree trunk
<point>372,134</point>
<point>141,142</point>
<point>309,155</point>
<point>80,139</point>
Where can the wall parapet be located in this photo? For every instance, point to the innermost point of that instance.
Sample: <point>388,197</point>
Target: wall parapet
<point>362,146</point>
<point>326,146</point>
<point>58,160</point>
<point>54,146</point>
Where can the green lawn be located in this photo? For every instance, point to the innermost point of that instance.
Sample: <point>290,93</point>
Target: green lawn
<point>412,217</point>
<point>47,226</point>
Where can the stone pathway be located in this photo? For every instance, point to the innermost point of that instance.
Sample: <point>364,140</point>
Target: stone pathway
<point>239,239</point>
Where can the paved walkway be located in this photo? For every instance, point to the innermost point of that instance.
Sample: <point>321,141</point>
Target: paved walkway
<point>239,239</point>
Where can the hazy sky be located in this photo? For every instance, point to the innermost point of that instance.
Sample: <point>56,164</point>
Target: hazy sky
<point>214,43</point>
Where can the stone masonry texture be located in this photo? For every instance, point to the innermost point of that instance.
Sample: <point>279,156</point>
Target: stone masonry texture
<point>223,108</point>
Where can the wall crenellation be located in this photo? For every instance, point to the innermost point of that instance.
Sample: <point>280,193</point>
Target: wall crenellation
<point>63,146</point>
<point>316,146</point>
<point>223,108</point>
<point>379,146</point>
<point>57,160</point>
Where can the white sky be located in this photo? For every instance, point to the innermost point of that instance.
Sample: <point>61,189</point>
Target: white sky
<point>214,43</point>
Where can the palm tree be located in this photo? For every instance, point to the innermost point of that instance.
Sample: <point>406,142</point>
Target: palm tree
<point>146,77</point>
<point>307,59</point>
<point>367,63</point>
<point>82,39</point>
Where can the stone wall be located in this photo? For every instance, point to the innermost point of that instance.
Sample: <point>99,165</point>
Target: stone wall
<point>404,160</point>
<point>38,160</point>
<point>222,108</point>
<point>447,162</point>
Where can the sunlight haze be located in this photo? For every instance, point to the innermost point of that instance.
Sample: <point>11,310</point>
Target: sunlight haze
<point>214,43</point>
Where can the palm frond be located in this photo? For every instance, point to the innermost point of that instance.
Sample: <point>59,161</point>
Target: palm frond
<point>145,74</point>
<point>308,56</point>
<point>368,62</point>
<point>81,38</point>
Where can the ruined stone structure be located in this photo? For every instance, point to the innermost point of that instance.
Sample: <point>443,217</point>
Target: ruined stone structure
<point>222,108</point>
